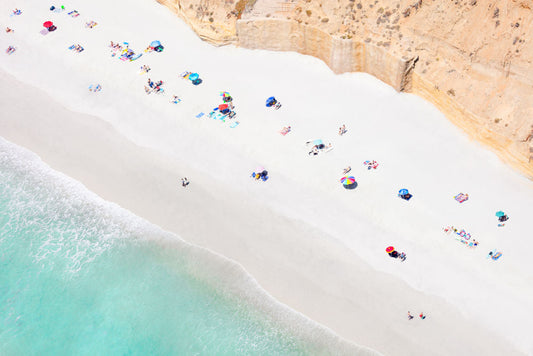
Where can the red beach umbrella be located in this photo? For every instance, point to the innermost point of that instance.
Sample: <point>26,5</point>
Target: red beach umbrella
<point>389,249</point>
<point>222,107</point>
<point>48,24</point>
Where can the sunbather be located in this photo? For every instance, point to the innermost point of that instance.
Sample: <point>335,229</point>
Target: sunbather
<point>285,130</point>
<point>8,30</point>
<point>347,169</point>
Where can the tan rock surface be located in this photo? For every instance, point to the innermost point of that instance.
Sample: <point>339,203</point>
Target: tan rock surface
<point>471,59</point>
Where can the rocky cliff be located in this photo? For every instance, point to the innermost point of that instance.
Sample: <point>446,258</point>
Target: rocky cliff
<point>471,59</point>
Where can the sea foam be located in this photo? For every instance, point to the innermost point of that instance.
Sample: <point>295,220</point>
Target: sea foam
<point>57,234</point>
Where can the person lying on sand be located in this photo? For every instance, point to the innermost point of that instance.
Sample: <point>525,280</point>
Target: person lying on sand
<point>8,30</point>
<point>347,169</point>
<point>342,130</point>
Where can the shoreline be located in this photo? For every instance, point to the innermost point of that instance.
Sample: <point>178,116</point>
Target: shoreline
<point>337,290</point>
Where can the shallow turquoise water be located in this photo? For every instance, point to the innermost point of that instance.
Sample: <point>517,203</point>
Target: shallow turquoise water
<point>80,277</point>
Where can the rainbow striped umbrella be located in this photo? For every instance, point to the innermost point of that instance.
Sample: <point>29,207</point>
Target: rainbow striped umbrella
<point>347,180</point>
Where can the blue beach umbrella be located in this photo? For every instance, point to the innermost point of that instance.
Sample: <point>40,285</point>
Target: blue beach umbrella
<point>270,101</point>
<point>194,76</point>
<point>403,192</point>
<point>155,44</point>
<point>500,214</point>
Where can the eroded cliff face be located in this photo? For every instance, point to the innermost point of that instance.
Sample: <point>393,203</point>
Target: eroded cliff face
<point>471,59</point>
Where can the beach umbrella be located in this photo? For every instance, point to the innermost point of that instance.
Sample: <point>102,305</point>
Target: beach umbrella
<point>270,101</point>
<point>155,44</point>
<point>194,76</point>
<point>403,192</point>
<point>347,180</point>
<point>222,107</point>
<point>500,214</point>
<point>48,24</point>
<point>389,249</point>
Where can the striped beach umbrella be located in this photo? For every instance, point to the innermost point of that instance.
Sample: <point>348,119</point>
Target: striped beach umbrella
<point>347,180</point>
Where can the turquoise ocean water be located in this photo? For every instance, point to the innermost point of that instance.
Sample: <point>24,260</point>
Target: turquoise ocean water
<point>80,276</point>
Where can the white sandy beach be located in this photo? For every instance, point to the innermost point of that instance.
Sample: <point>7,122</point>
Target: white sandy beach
<point>314,246</point>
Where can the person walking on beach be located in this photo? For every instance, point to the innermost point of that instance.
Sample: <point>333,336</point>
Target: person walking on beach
<point>184,182</point>
<point>422,316</point>
<point>409,316</point>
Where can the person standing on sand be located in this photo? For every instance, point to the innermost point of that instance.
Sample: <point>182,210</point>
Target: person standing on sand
<point>409,316</point>
<point>184,182</point>
<point>422,316</point>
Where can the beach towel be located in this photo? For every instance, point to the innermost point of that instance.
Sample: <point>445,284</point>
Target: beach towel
<point>74,13</point>
<point>44,31</point>
<point>285,131</point>
<point>461,197</point>
<point>200,115</point>
<point>234,124</point>
<point>221,117</point>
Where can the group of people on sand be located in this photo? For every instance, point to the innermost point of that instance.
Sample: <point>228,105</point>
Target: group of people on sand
<point>115,46</point>
<point>153,87</point>
<point>76,48</point>
<point>145,68</point>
